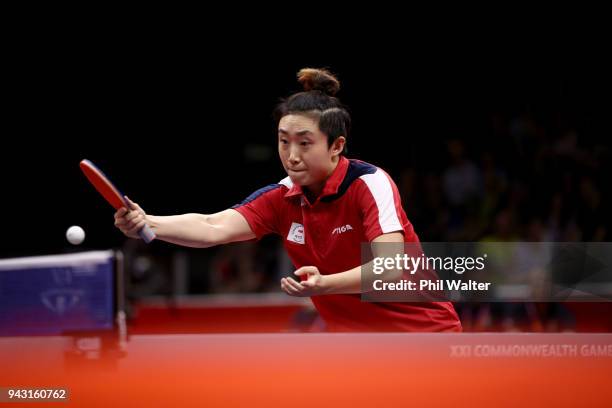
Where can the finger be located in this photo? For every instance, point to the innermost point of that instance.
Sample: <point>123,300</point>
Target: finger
<point>136,221</point>
<point>131,215</point>
<point>307,284</point>
<point>136,224</point>
<point>121,212</point>
<point>300,272</point>
<point>136,228</point>
<point>294,285</point>
<point>120,222</point>
<point>132,204</point>
<point>285,286</point>
<point>305,270</point>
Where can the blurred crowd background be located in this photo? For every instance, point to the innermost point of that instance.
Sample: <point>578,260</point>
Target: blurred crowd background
<point>511,147</point>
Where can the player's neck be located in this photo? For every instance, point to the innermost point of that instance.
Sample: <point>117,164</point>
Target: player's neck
<point>311,195</point>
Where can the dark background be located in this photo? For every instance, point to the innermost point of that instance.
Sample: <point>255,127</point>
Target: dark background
<point>186,127</point>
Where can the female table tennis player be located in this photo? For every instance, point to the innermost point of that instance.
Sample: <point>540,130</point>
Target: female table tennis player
<point>326,207</point>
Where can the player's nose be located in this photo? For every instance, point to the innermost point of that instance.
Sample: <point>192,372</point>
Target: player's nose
<point>294,156</point>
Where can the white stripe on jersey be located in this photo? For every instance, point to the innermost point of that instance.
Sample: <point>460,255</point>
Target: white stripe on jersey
<point>286,182</point>
<point>381,190</point>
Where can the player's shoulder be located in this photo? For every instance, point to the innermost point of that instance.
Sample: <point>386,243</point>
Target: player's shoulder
<point>356,173</point>
<point>368,178</point>
<point>362,174</point>
<point>355,170</point>
<point>272,191</point>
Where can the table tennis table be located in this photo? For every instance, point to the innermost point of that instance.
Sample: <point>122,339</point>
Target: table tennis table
<point>321,369</point>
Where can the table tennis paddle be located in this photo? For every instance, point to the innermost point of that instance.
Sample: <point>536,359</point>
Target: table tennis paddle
<point>111,194</point>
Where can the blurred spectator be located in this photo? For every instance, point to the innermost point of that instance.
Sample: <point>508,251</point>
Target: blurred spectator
<point>234,269</point>
<point>462,179</point>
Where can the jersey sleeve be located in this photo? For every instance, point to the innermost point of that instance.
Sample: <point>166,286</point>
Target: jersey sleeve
<point>260,209</point>
<point>380,205</point>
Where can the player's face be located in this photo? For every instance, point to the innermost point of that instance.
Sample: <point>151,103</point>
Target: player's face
<point>304,152</point>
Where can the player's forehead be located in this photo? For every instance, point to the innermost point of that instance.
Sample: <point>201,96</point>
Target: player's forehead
<point>298,124</point>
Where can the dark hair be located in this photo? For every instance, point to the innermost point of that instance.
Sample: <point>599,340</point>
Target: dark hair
<point>318,100</point>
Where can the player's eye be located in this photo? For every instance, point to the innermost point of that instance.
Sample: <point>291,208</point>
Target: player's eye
<point>304,143</point>
<point>284,141</point>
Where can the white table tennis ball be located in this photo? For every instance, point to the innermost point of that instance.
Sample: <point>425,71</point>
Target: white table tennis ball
<point>75,235</point>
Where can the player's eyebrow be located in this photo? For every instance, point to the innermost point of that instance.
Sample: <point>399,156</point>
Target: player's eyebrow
<point>299,133</point>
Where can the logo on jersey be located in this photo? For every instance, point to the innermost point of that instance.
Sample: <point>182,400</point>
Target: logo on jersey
<point>296,233</point>
<point>342,229</point>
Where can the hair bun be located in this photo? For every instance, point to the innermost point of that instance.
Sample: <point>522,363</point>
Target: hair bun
<point>315,79</point>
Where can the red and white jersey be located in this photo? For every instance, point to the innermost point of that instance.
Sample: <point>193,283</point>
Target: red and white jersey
<point>359,202</point>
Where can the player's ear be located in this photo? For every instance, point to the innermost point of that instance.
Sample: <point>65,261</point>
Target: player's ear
<point>338,145</point>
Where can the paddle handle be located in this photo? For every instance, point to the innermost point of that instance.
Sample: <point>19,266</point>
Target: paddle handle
<point>147,234</point>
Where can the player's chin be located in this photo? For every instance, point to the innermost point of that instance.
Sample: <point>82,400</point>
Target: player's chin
<point>298,177</point>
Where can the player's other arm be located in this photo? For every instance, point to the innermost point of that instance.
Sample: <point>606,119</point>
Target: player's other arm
<point>347,281</point>
<point>191,230</point>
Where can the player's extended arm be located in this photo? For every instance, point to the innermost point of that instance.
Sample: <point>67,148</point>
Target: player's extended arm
<point>342,282</point>
<point>191,230</point>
